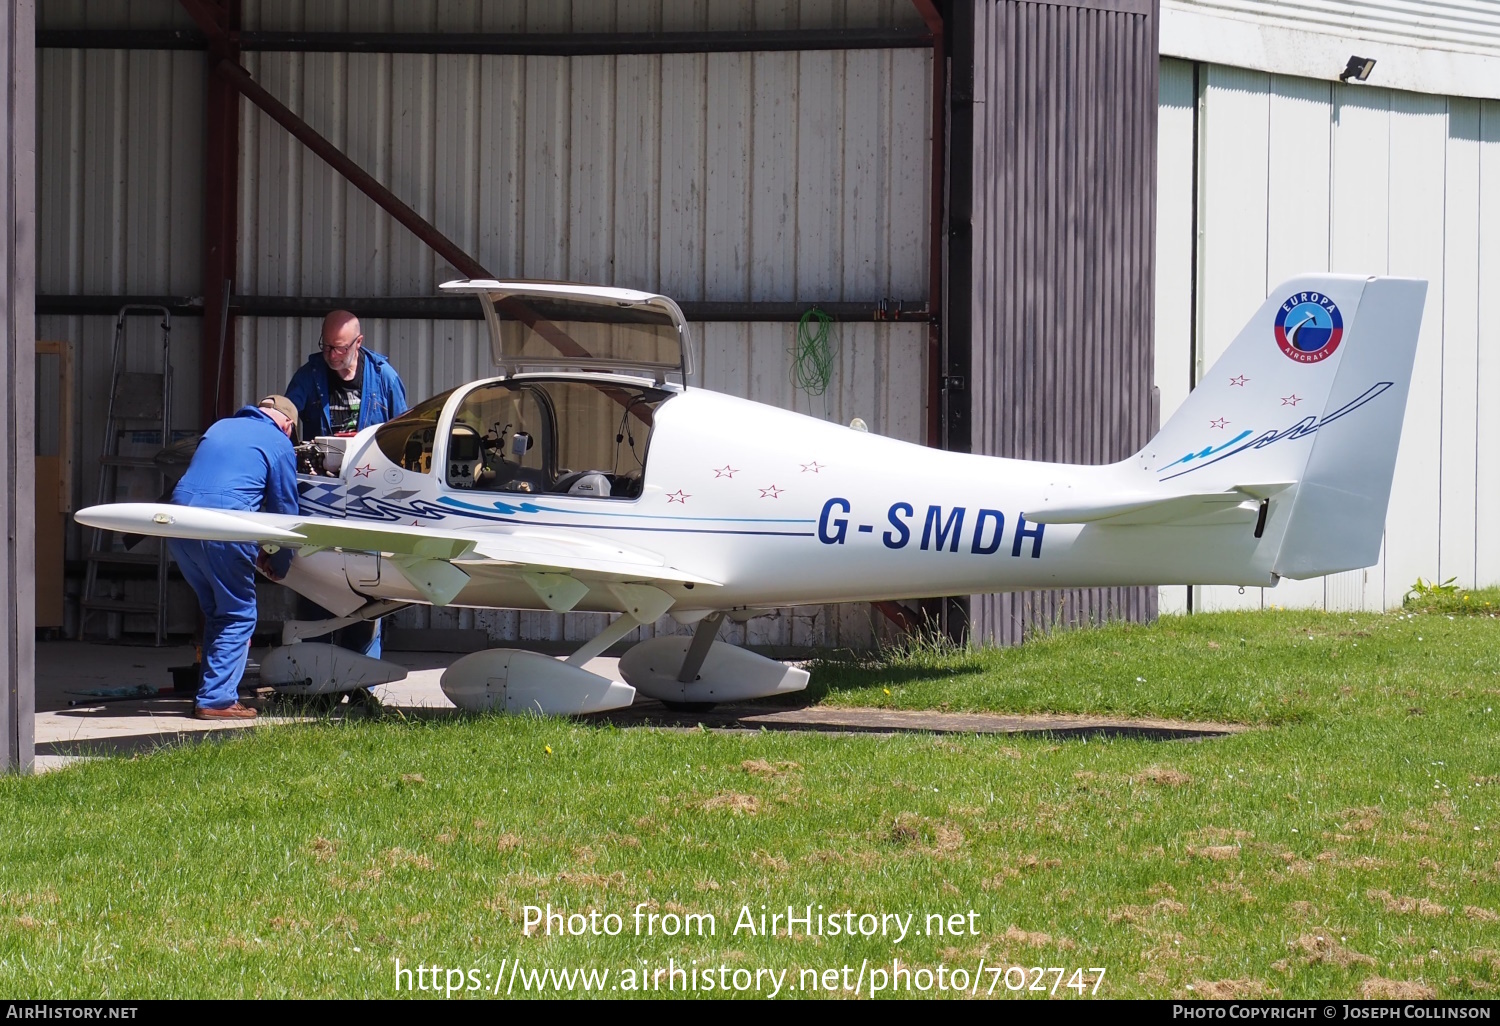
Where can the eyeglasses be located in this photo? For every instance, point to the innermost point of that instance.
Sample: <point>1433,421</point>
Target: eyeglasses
<point>323,345</point>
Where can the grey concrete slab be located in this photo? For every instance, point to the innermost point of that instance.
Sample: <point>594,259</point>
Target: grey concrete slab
<point>98,726</point>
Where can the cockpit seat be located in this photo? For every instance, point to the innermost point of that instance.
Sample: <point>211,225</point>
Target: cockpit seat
<point>592,483</point>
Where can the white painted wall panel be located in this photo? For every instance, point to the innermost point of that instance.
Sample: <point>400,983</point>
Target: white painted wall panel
<point>1356,180</point>
<point>1487,376</point>
<point>1232,210</point>
<point>1447,48</point>
<point>1418,141</point>
<point>1360,202</point>
<point>1470,25</point>
<point>1175,141</point>
<point>1457,528</point>
<point>1299,147</point>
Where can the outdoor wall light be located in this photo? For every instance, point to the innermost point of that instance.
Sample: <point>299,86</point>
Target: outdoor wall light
<point>1358,68</point>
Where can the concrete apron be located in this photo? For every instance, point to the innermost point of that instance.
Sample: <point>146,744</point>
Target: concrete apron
<point>96,727</point>
<point>66,733</point>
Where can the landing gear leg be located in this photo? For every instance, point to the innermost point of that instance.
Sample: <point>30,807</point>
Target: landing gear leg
<point>692,661</point>
<point>703,640</point>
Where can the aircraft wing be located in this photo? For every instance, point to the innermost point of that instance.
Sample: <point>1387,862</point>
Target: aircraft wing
<point>1156,509</point>
<point>534,554</point>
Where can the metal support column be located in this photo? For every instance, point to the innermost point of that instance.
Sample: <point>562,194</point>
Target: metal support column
<point>18,498</point>
<point>946,378</point>
<point>220,21</point>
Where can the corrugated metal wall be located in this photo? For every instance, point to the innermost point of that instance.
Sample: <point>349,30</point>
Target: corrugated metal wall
<point>1063,171</point>
<point>119,211</point>
<point>775,176</point>
<point>1295,175</point>
<point>720,177</point>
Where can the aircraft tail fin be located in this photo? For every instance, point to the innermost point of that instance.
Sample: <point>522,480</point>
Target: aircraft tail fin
<point>1301,417</point>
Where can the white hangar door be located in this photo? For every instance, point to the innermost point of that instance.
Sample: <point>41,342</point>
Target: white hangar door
<point>1279,175</point>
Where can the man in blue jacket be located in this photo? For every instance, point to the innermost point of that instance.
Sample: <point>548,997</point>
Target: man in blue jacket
<point>344,387</point>
<point>244,462</point>
<point>341,389</point>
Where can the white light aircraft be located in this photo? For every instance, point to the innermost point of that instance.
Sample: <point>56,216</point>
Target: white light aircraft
<point>588,475</point>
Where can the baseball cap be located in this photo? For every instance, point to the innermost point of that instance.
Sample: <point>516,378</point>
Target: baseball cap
<point>282,405</point>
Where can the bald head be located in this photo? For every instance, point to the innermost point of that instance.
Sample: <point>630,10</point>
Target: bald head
<point>337,321</point>
<point>341,343</point>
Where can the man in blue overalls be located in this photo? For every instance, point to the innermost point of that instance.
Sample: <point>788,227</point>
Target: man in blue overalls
<point>244,462</point>
<point>341,389</point>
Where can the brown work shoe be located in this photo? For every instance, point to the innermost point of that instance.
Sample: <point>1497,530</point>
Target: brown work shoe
<point>234,712</point>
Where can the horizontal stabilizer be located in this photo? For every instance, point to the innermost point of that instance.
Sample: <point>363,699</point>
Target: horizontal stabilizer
<point>1158,509</point>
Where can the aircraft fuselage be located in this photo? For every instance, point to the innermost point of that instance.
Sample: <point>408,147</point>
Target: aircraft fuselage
<point>781,508</point>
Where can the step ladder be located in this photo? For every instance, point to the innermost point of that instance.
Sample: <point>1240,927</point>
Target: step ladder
<point>139,415</point>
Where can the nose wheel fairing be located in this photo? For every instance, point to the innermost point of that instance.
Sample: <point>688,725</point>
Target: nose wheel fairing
<point>315,668</point>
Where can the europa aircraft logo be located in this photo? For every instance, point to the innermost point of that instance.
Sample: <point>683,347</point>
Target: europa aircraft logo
<point>1309,327</point>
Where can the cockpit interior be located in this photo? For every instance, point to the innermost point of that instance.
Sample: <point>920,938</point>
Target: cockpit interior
<point>532,436</point>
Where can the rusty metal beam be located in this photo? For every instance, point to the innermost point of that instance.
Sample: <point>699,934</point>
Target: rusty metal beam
<point>463,308</point>
<point>221,164</point>
<point>414,222</point>
<point>528,44</point>
<point>936,373</point>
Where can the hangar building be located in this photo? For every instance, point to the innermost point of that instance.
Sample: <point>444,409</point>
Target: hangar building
<point>1034,222</point>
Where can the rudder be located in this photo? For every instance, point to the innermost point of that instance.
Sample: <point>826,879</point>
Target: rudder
<point>1338,513</point>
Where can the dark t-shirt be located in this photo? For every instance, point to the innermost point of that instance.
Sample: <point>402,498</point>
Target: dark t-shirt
<point>344,400</point>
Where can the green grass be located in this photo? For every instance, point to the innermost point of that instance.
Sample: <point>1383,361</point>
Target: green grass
<point>1346,846</point>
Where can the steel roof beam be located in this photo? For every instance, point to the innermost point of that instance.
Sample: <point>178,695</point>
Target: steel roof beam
<point>455,308</point>
<point>528,44</point>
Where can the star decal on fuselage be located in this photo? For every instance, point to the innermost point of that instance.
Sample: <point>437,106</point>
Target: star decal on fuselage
<point>364,471</point>
<point>812,468</point>
<point>1239,382</point>
<point>1291,400</point>
<point>771,493</point>
<point>725,471</point>
<point>1219,424</point>
<point>678,496</point>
